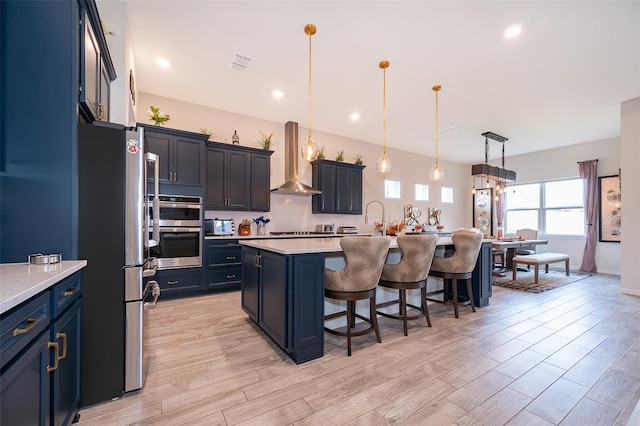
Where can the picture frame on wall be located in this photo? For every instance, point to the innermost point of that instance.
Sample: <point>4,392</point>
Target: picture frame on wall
<point>610,214</point>
<point>483,210</point>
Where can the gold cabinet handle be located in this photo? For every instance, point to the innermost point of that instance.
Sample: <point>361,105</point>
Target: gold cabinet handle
<point>31,322</point>
<point>229,277</point>
<point>70,291</point>
<point>174,282</point>
<point>102,111</point>
<point>231,258</point>
<point>55,356</point>
<point>63,336</point>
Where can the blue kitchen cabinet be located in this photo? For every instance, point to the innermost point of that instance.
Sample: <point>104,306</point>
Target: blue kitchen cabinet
<point>284,295</point>
<point>341,186</point>
<point>181,158</point>
<point>40,352</point>
<point>238,178</point>
<point>223,270</point>
<point>96,68</point>
<point>178,282</point>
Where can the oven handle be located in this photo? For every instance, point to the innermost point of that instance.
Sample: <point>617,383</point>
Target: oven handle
<point>180,229</point>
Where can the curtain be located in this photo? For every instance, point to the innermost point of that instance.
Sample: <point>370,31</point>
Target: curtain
<point>501,207</point>
<point>589,173</point>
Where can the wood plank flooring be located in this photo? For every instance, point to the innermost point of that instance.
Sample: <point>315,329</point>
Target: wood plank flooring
<point>567,356</point>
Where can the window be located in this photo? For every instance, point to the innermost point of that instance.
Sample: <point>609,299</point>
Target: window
<point>422,192</point>
<point>391,188</point>
<point>553,208</point>
<point>446,195</point>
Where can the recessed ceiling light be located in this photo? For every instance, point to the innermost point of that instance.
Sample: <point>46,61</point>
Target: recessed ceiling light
<point>355,116</point>
<point>164,63</point>
<point>278,94</point>
<point>513,31</point>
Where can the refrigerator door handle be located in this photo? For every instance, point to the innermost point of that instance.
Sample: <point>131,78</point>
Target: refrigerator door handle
<point>155,292</point>
<point>155,159</point>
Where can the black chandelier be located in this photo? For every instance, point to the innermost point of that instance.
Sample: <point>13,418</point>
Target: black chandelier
<point>499,174</point>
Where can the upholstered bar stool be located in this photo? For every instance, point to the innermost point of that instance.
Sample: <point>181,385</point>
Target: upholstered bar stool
<point>409,274</point>
<point>358,280</point>
<point>459,265</point>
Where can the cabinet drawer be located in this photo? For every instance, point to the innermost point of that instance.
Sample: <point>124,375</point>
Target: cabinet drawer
<point>22,325</point>
<point>179,281</point>
<point>218,244</point>
<point>225,275</point>
<point>65,293</point>
<point>221,257</point>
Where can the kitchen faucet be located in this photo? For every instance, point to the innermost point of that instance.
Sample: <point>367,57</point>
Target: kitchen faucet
<point>366,217</point>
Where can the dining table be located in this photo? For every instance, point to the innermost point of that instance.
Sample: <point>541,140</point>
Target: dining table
<point>510,245</point>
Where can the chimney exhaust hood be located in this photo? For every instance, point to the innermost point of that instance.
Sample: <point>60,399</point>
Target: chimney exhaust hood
<point>292,186</point>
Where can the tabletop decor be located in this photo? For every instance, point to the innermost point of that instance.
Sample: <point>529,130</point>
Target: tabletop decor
<point>358,159</point>
<point>610,215</point>
<point>158,117</point>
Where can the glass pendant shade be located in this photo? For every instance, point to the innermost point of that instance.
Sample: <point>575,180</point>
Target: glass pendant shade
<point>309,150</point>
<point>436,173</point>
<point>383,164</point>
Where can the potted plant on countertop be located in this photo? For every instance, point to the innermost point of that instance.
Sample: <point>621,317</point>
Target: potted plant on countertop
<point>266,141</point>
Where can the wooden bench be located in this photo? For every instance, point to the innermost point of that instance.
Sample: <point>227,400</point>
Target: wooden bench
<point>540,259</point>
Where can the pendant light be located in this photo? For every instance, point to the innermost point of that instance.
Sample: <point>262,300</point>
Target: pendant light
<point>309,149</point>
<point>383,163</point>
<point>436,173</point>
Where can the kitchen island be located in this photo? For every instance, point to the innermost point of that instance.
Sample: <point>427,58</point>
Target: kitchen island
<point>283,287</point>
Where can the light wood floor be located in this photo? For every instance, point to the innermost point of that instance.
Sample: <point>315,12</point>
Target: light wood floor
<point>570,356</point>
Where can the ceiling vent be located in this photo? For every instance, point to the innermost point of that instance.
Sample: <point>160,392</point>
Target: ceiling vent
<point>239,62</point>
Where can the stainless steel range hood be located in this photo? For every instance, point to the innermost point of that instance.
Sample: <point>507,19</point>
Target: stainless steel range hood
<point>292,185</point>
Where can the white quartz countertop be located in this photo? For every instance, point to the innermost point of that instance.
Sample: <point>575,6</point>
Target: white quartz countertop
<point>21,281</point>
<point>279,237</point>
<point>313,245</point>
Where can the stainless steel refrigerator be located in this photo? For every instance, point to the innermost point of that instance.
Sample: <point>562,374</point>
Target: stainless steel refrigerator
<point>114,238</point>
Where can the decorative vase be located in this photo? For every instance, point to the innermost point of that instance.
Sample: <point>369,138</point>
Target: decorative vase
<point>262,229</point>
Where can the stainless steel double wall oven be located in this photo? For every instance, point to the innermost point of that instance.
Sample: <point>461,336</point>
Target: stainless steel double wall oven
<point>180,239</point>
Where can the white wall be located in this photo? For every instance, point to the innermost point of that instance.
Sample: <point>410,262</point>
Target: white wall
<point>561,163</point>
<point>294,212</point>
<point>630,161</point>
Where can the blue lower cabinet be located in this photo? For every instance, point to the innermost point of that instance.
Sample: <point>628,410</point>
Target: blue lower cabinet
<point>284,296</point>
<point>40,383</point>
<point>25,394</point>
<point>179,282</point>
<point>65,379</point>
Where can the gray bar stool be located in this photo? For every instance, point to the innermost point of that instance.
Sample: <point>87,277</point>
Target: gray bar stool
<point>409,274</point>
<point>358,280</point>
<point>459,265</point>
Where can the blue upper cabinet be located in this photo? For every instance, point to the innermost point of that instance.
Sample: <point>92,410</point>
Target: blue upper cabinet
<point>96,68</point>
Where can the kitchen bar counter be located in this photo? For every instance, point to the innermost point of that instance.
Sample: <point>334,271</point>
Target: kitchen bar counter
<point>281,237</point>
<point>283,287</point>
<point>313,245</point>
<point>21,281</point>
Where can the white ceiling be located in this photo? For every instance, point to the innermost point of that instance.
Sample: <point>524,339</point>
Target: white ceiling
<point>560,82</point>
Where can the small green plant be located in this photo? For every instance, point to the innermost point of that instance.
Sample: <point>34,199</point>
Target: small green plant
<point>340,155</point>
<point>157,116</point>
<point>207,132</point>
<point>358,159</point>
<point>320,154</point>
<point>266,141</point>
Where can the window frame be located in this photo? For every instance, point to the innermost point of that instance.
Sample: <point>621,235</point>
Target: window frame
<point>542,210</point>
